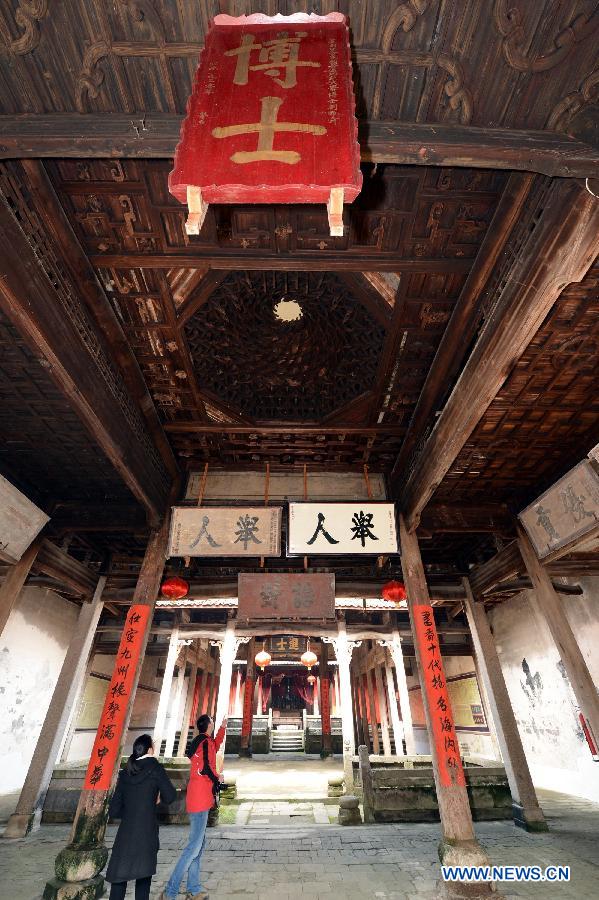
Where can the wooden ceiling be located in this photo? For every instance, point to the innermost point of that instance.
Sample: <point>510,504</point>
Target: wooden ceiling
<point>181,354</point>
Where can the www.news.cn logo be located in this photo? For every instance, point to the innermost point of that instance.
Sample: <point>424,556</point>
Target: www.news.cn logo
<point>505,873</point>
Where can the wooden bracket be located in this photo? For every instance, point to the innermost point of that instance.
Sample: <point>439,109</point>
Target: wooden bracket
<point>335,212</point>
<point>197,210</point>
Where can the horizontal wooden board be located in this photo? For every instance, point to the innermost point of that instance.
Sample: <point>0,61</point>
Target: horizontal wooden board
<point>20,522</point>
<point>339,528</point>
<point>225,531</point>
<point>286,596</point>
<point>285,486</point>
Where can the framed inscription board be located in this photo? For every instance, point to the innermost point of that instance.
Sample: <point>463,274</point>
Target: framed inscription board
<point>286,596</point>
<point>342,528</point>
<point>225,531</point>
<point>20,522</point>
<point>565,513</point>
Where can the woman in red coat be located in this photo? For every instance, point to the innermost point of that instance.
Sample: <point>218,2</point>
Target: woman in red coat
<point>201,795</point>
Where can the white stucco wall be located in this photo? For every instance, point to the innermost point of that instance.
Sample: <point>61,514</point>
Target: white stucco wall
<point>32,649</point>
<point>541,695</point>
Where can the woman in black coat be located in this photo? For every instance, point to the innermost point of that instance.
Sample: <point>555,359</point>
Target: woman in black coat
<point>135,848</point>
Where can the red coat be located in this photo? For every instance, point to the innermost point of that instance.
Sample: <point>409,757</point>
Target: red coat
<point>200,795</point>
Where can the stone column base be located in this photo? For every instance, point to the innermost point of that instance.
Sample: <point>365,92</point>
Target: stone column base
<point>465,853</point>
<point>19,826</point>
<point>529,818</point>
<point>92,889</point>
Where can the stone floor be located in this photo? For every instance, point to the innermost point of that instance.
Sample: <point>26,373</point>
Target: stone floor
<point>283,776</point>
<point>305,861</point>
<point>276,813</point>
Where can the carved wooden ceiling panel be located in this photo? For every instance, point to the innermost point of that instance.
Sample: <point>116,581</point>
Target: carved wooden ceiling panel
<point>303,369</point>
<point>505,63</point>
<point>546,416</point>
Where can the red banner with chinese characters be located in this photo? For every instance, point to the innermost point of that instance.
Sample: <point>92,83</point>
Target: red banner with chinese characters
<point>325,707</point>
<point>435,685</point>
<point>108,738</point>
<point>271,118</point>
<point>248,703</point>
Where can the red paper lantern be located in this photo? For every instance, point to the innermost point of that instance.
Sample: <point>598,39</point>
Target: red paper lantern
<point>174,588</point>
<point>262,659</point>
<point>308,658</point>
<point>394,590</point>
<point>311,679</point>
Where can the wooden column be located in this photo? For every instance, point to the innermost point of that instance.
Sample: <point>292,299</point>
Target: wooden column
<point>404,694</point>
<point>376,745</point>
<point>398,733</point>
<point>248,701</point>
<point>527,812</point>
<point>188,711</point>
<point>227,650</point>
<point>176,711</point>
<point>383,711</point>
<point>358,731</point>
<point>362,697</point>
<point>367,785</point>
<point>14,581</point>
<point>28,814</point>
<point>458,844</point>
<point>237,705</point>
<point>78,866</point>
<point>549,607</point>
<point>211,693</point>
<point>166,688</point>
<point>343,651</point>
<point>202,698</point>
<point>325,702</point>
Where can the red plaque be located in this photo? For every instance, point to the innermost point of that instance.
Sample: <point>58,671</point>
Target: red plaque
<point>449,759</point>
<point>286,596</point>
<point>271,118</point>
<point>110,730</point>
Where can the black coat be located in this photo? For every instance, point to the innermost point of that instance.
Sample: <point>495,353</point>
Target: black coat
<point>134,802</point>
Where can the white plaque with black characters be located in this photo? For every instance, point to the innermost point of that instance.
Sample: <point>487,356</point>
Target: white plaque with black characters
<point>330,529</point>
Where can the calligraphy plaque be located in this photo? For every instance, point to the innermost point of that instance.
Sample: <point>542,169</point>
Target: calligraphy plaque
<point>286,596</point>
<point>271,118</point>
<point>283,646</point>
<point>565,513</point>
<point>107,744</point>
<point>225,531</point>
<point>20,522</point>
<point>342,528</point>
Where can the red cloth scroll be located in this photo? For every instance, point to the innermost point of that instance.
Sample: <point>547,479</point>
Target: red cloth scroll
<point>248,704</point>
<point>271,118</point>
<point>325,707</point>
<point>435,685</point>
<point>106,747</point>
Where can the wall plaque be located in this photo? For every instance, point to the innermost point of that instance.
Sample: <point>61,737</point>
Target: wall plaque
<point>286,596</point>
<point>342,528</point>
<point>225,531</point>
<point>20,522</point>
<point>282,646</point>
<point>565,513</point>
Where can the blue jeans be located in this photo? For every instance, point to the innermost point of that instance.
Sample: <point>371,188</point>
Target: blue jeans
<point>189,861</point>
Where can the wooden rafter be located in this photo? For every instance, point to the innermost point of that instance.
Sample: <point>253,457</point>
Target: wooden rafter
<point>405,143</point>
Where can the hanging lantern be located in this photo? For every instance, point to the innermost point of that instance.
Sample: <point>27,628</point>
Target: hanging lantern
<point>174,588</point>
<point>308,658</point>
<point>394,590</point>
<point>311,679</point>
<point>263,658</point>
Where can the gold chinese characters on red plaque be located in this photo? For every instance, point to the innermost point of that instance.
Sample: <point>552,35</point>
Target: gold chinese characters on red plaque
<point>286,596</point>
<point>271,118</point>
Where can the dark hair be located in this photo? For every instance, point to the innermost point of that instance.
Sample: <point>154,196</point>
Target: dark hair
<point>140,748</point>
<point>203,723</point>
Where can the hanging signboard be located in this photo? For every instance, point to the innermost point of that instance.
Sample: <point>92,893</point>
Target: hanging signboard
<point>284,646</point>
<point>565,513</point>
<point>342,528</point>
<point>271,118</point>
<point>286,596</point>
<point>20,522</point>
<point>225,531</point>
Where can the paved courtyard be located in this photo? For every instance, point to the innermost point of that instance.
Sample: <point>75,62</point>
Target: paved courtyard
<point>304,861</point>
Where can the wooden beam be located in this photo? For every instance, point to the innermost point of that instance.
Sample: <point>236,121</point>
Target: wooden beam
<point>40,299</point>
<point>155,136</point>
<point>306,261</point>
<point>507,563</point>
<point>191,427</point>
<point>363,291</point>
<point>461,328</point>
<point>447,518</point>
<point>198,296</point>
<point>65,569</point>
<point>557,250</point>
<point>14,580</point>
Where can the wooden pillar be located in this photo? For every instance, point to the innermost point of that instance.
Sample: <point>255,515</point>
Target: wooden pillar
<point>325,703</point>
<point>315,695</point>
<point>245,748</point>
<point>458,844</point>
<point>78,865</point>
<point>527,812</point>
<point>383,711</point>
<point>362,697</point>
<point>367,785</point>
<point>237,705</point>
<point>176,712</point>
<point>211,693</point>
<point>376,746</point>
<point>549,607</point>
<point>395,720</point>
<point>404,694</point>
<point>28,813</point>
<point>203,692</point>
<point>356,711</point>
<point>336,691</point>
<point>188,710</point>
<point>166,688</point>
<point>343,651</point>
<point>227,651</point>
<point>15,579</point>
